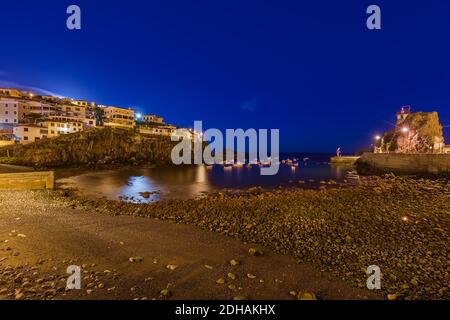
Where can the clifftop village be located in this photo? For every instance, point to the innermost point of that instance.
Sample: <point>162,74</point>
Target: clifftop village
<point>27,118</point>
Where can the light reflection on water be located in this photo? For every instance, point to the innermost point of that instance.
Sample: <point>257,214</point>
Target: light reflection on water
<point>173,182</point>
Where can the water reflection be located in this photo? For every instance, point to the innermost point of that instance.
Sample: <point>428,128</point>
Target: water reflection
<point>192,181</point>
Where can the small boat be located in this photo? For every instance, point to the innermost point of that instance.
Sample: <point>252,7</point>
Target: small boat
<point>266,164</point>
<point>228,164</point>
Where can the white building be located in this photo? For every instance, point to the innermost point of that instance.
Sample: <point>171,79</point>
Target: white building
<point>11,111</point>
<point>38,108</point>
<point>160,130</point>
<point>57,127</point>
<point>29,133</point>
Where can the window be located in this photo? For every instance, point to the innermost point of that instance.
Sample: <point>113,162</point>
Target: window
<point>6,112</point>
<point>25,138</point>
<point>25,129</point>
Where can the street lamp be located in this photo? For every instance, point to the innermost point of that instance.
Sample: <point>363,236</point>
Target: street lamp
<point>405,130</point>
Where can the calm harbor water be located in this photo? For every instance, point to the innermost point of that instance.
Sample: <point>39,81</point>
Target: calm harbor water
<point>192,181</point>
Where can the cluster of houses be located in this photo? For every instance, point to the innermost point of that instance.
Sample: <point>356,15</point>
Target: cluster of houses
<point>26,117</point>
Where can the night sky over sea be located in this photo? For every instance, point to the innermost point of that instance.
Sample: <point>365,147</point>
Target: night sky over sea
<point>310,68</point>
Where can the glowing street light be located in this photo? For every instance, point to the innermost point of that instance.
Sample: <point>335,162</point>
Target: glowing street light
<point>405,130</point>
<point>138,116</point>
<point>377,137</point>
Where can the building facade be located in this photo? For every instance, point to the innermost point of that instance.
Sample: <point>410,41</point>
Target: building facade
<point>61,126</point>
<point>10,92</point>
<point>11,111</point>
<point>151,118</point>
<point>118,117</point>
<point>29,133</point>
<point>162,130</point>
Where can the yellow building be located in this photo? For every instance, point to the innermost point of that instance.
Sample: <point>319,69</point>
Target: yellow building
<point>81,103</point>
<point>10,92</point>
<point>118,117</point>
<point>151,118</point>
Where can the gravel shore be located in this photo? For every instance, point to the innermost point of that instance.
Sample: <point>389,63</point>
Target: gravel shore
<point>123,257</point>
<point>397,223</point>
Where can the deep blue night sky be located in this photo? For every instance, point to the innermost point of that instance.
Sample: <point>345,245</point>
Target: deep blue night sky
<point>310,68</point>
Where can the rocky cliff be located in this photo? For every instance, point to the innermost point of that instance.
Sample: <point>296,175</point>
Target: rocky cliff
<point>93,147</point>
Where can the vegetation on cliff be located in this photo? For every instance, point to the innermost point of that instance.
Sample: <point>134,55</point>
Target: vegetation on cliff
<point>423,131</point>
<point>91,147</point>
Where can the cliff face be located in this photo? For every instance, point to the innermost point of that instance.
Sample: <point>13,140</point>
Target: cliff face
<point>98,146</point>
<point>423,131</point>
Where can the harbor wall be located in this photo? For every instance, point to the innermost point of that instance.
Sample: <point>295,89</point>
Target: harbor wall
<point>27,180</point>
<point>426,164</point>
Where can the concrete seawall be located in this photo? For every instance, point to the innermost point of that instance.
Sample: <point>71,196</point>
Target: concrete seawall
<point>344,160</point>
<point>426,164</point>
<point>27,180</point>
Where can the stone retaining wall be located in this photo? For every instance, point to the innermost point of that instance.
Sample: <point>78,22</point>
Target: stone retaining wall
<point>27,180</point>
<point>437,164</point>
